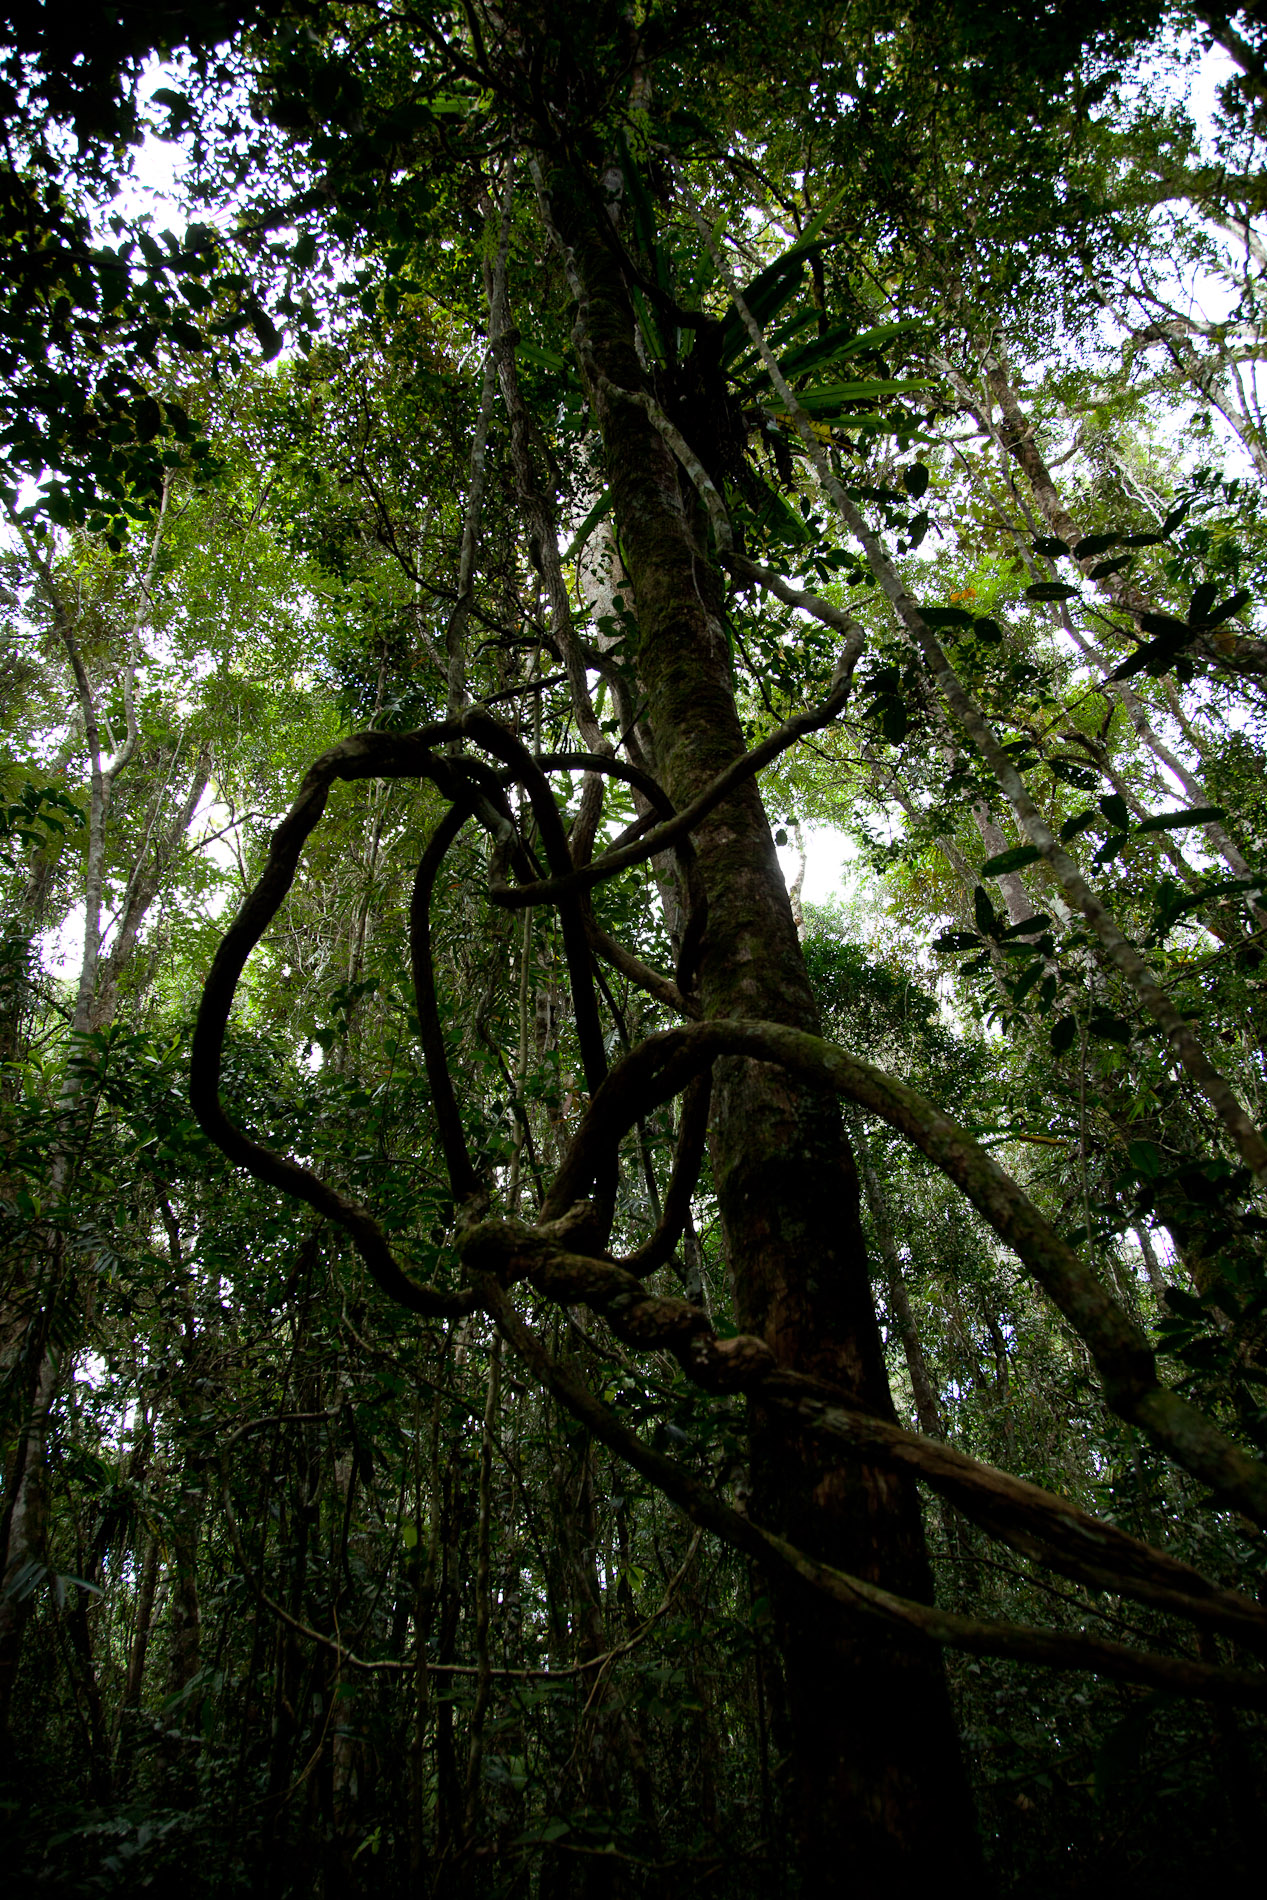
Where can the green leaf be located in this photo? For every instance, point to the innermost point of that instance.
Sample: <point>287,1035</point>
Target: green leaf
<point>983,910</point>
<point>774,515</point>
<point>825,402</point>
<point>1013,860</point>
<point>838,344</point>
<point>767,294</point>
<point>779,337</point>
<point>1063,1035</point>
<point>1172,903</point>
<point>26,1578</point>
<point>947,616</point>
<point>895,721</point>
<point>1186,1304</point>
<point>267,335</point>
<point>1145,1158</point>
<point>915,480</point>
<point>818,222</point>
<point>1116,810</point>
<point>1049,545</point>
<point>188,335</point>
<point>649,325</point>
<point>1226,609</point>
<point>1107,1027</point>
<point>1094,544</point>
<point>603,506</point>
<point>1166,626</point>
<point>1175,517</point>
<point>643,215</point>
<point>1112,847</point>
<point>1155,656</point>
<point>548,1831</point>
<point>956,940</point>
<point>1050,590</point>
<point>1180,820</point>
<point>1073,772</point>
<point>148,419</point>
<point>541,359</point>
<point>1022,989</point>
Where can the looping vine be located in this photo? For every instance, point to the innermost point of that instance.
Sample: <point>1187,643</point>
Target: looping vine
<point>563,1257</point>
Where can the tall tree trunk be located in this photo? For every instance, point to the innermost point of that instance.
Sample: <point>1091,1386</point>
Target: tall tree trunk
<point>24,1524</point>
<point>879,1778</point>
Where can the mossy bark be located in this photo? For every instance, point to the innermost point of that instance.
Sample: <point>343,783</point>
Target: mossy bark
<point>880,1792</point>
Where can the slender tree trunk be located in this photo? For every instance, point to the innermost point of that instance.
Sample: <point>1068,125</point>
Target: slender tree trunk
<point>79,1631</point>
<point>926,1408</point>
<point>130,1704</point>
<point>1152,1266</point>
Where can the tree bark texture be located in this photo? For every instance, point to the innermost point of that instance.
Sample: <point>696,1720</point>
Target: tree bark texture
<point>880,1789</point>
<point>25,1527</point>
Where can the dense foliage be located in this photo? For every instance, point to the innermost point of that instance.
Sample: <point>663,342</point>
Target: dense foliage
<point>374,1519</point>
